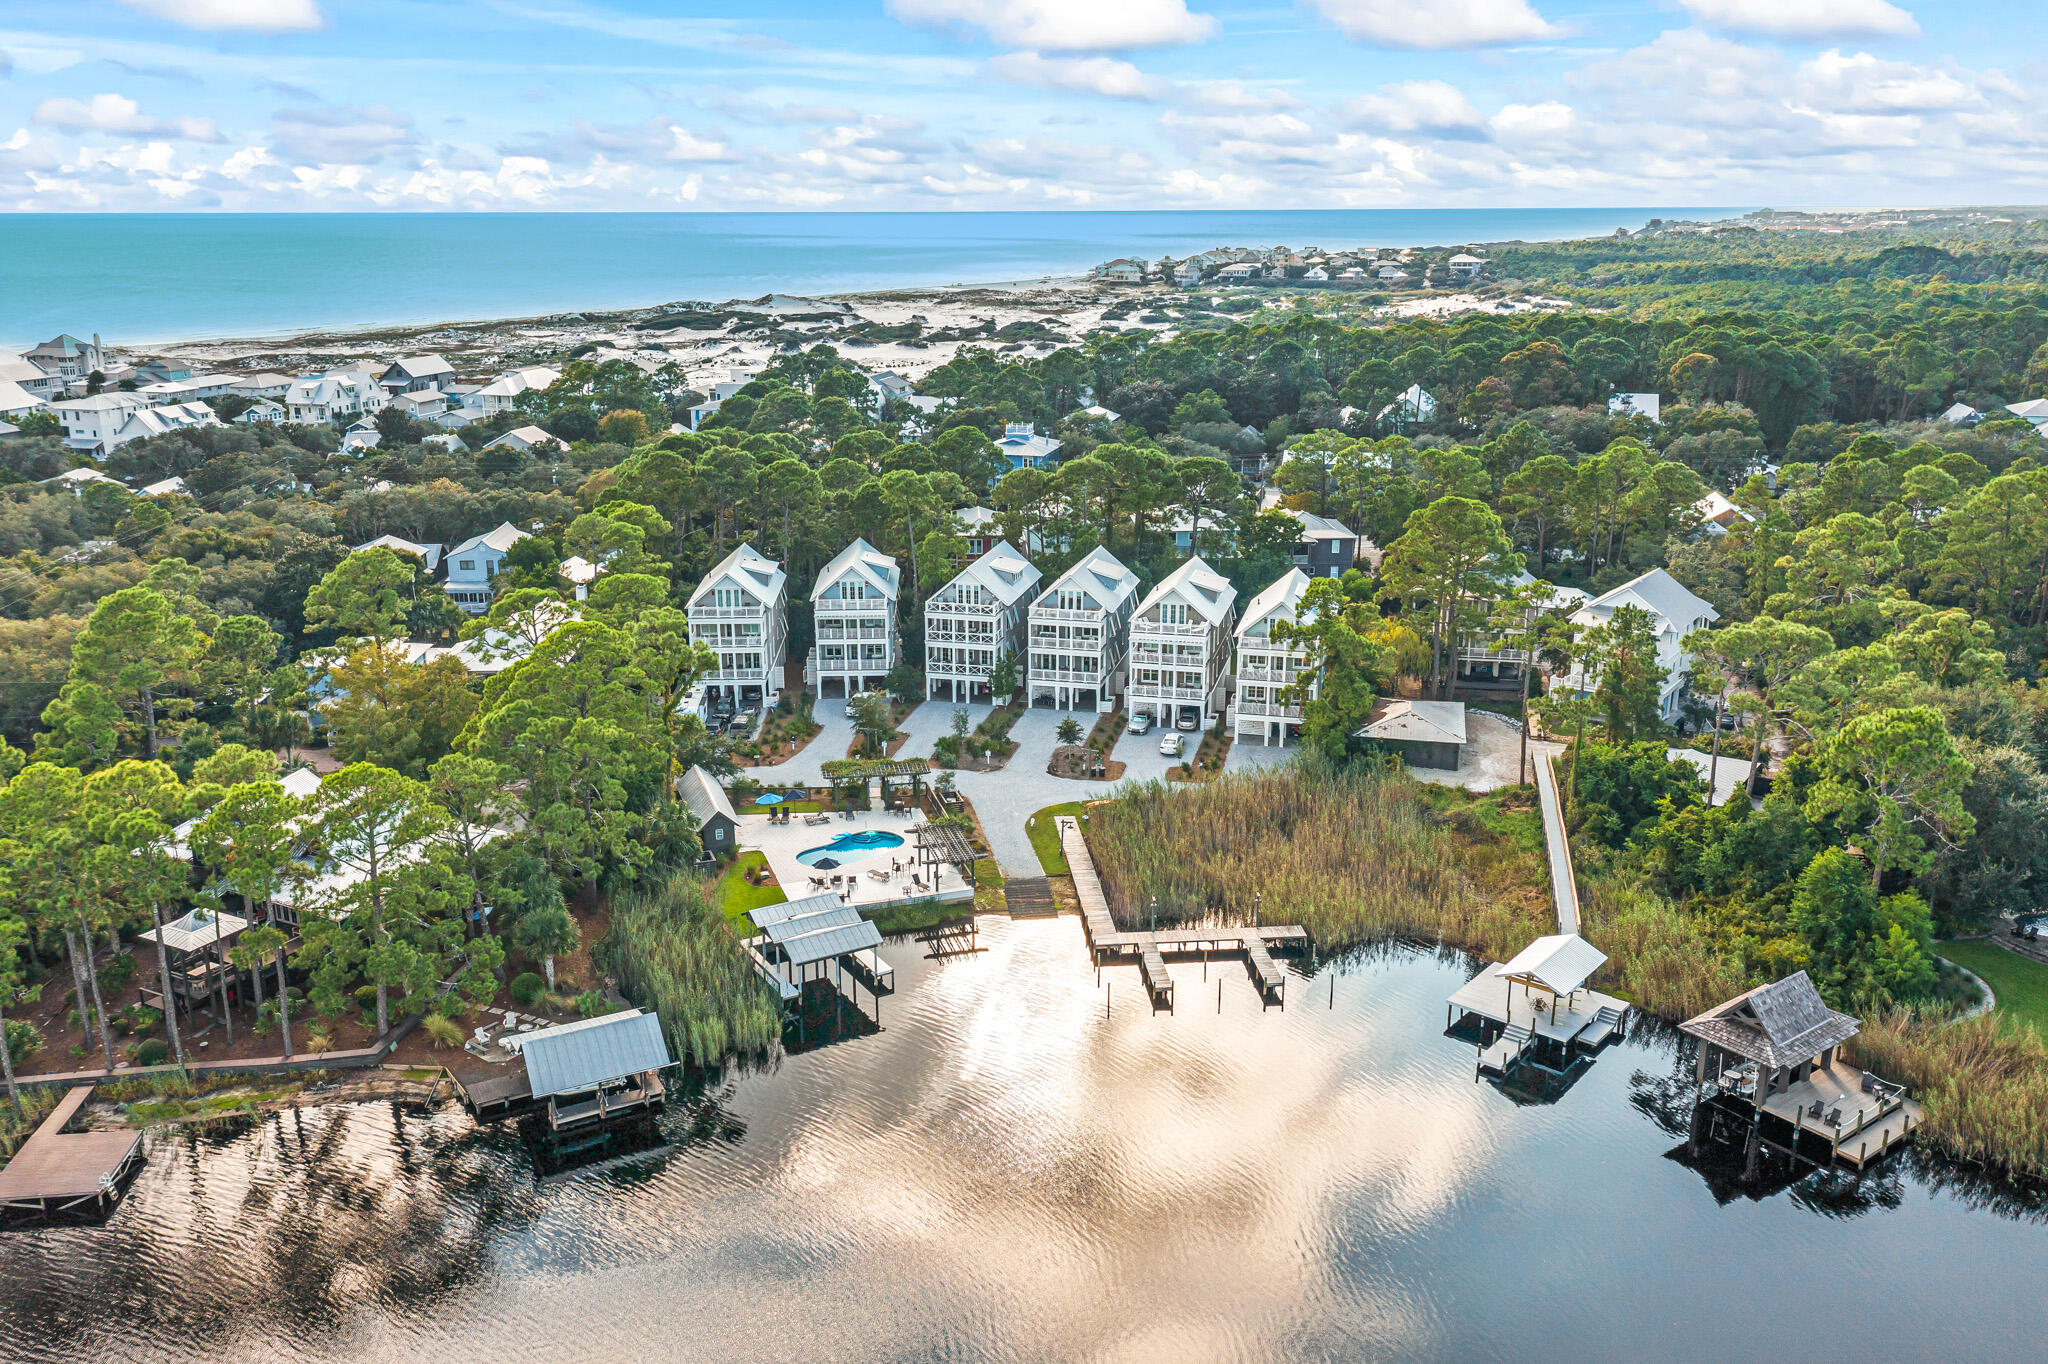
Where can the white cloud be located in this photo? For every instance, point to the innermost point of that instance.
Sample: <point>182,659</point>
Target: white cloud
<point>1533,121</point>
<point>119,114</point>
<point>1081,75</point>
<point>1065,25</point>
<point>1414,106</point>
<point>1863,84</point>
<point>343,136</point>
<point>1806,18</point>
<point>1435,24</point>
<point>262,16</point>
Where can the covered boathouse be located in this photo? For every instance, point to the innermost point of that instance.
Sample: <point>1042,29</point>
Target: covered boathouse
<point>579,1074</point>
<point>1536,1007</point>
<point>1776,1052</point>
<point>798,937</point>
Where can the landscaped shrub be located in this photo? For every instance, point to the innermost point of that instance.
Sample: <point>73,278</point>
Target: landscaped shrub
<point>526,988</point>
<point>593,1004</point>
<point>151,1051</point>
<point>443,1032</point>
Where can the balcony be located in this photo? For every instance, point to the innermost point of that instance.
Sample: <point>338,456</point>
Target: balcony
<point>876,633</point>
<point>1058,613</point>
<point>1271,709</point>
<point>939,669</point>
<point>953,629</point>
<point>1066,675</point>
<point>1154,691</point>
<point>954,608</point>
<point>1285,677</point>
<point>754,674</point>
<point>706,612</point>
<point>1153,627</point>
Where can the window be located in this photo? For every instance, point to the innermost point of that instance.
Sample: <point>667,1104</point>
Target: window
<point>465,565</point>
<point>1072,600</point>
<point>726,598</point>
<point>1173,613</point>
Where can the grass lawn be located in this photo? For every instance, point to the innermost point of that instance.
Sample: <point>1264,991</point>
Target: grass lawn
<point>1045,838</point>
<point>2020,984</point>
<point>908,918</point>
<point>734,896</point>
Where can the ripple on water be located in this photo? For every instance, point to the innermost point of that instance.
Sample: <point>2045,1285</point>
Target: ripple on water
<point>1005,1172</point>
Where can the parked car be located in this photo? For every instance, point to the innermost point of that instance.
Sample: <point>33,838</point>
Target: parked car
<point>743,722</point>
<point>1141,723</point>
<point>854,701</point>
<point>1190,720</point>
<point>1170,746</point>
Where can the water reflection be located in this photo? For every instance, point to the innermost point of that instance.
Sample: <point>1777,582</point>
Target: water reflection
<point>1025,1164</point>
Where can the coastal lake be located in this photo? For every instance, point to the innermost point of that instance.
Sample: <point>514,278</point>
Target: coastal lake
<point>142,279</point>
<point>1002,1171</point>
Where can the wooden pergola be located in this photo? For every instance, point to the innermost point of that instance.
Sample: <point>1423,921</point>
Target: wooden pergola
<point>948,843</point>
<point>848,774</point>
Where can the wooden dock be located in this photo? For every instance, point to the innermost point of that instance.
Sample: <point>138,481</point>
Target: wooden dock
<point>1150,948</point>
<point>59,1175</point>
<point>1030,897</point>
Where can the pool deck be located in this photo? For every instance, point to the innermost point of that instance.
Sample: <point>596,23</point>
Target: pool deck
<point>780,844</point>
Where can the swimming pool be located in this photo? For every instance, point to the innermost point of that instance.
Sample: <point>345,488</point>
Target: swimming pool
<point>845,847</point>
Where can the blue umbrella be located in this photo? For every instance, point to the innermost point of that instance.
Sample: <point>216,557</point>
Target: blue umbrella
<point>767,798</point>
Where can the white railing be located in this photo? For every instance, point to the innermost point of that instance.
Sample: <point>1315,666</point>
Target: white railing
<point>956,608</point>
<point>835,632</point>
<point>707,612</point>
<point>940,669</point>
<point>1255,673</point>
<point>1065,675</point>
<point>1154,627</point>
<point>734,675</point>
<point>1039,613</point>
<point>1146,691</point>
<point>1269,708</point>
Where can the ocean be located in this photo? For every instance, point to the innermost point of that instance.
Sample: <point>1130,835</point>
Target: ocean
<point>151,279</point>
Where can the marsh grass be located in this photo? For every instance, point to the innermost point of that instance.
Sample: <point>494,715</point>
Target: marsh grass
<point>1983,1082</point>
<point>1350,856</point>
<point>671,951</point>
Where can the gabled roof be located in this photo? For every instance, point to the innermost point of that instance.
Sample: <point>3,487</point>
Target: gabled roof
<point>1660,594</point>
<point>1780,1024</point>
<point>865,561</point>
<point>1428,722</point>
<point>164,487</point>
<point>1558,961</point>
<point>421,366</point>
<point>1100,575</point>
<point>703,794</point>
<point>1280,601</point>
<point>522,438</point>
<point>1314,527</point>
<point>816,928</point>
<point>1208,592</point>
<point>576,1057</point>
<point>748,568</point>
<point>501,539</point>
<point>1002,572</point>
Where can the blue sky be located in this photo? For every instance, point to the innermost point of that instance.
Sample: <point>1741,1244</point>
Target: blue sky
<point>999,104</point>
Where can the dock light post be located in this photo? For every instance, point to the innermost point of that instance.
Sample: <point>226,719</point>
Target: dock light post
<point>1155,914</point>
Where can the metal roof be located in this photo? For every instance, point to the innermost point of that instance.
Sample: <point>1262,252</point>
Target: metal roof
<point>816,928</point>
<point>1557,961</point>
<point>198,929</point>
<point>1429,722</point>
<point>567,1061</point>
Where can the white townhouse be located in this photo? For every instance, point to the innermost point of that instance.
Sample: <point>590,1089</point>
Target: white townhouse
<point>501,393</point>
<point>973,621</point>
<point>1674,614</point>
<point>416,372</point>
<point>471,564</point>
<point>741,610</point>
<point>90,424</point>
<point>1263,712</point>
<point>330,397</point>
<point>1180,646</point>
<point>853,610</point>
<point>67,360</point>
<point>1080,635</point>
<point>196,389</point>
<point>32,379</point>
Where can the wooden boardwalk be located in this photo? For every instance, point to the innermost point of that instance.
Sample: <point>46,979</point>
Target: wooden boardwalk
<point>1150,947</point>
<point>59,1174</point>
<point>1030,897</point>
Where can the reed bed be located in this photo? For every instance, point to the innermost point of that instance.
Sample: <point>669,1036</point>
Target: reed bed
<point>1983,1082</point>
<point>670,950</point>
<point>1657,955</point>
<point>1350,856</point>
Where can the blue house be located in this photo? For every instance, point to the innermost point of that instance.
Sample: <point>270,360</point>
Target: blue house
<point>1025,448</point>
